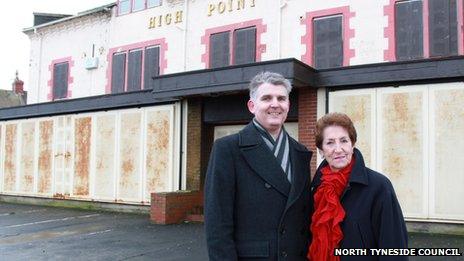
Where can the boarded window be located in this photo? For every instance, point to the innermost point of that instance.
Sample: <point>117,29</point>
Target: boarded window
<point>151,66</point>
<point>60,80</point>
<point>245,45</point>
<point>443,30</point>
<point>328,42</point>
<point>409,30</point>
<point>219,50</point>
<point>118,72</point>
<point>134,70</point>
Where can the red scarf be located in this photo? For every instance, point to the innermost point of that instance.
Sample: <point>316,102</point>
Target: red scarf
<point>328,214</point>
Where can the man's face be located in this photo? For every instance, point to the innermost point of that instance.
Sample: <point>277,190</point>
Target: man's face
<point>270,106</point>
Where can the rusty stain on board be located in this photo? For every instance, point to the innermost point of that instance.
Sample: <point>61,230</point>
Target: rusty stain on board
<point>82,136</point>
<point>157,154</point>
<point>402,148</point>
<point>358,108</point>
<point>104,153</point>
<point>129,184</point>
<point>10,157</point>
<point>44,183</point>
<point>26,174</point>
<point>449,173</point>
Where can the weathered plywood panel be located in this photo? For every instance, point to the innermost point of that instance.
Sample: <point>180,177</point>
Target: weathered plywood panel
<point>11,137</point>
<point>401,125</point>
<point>26,170</point>
<point>44,182</point>
<point>105,153</point>
<point>82,145</point>
<point>158,151</point>
<point>129,155</point>
<point>1,157</point>
<point>359,109</point>
<point>449,154</point>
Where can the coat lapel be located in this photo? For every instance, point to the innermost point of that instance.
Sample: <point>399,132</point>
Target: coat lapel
<point>300,171</point>
<point>261,160</point>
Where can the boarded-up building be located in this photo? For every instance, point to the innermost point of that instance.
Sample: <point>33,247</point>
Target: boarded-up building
<point>130,96</point>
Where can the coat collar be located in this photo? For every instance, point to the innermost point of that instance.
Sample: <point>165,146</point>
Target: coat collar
<point>300,170</point>
<point>358,173</point>
<point>261,160</point>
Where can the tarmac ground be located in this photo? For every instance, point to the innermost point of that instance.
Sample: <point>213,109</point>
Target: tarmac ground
<point>45,233</point>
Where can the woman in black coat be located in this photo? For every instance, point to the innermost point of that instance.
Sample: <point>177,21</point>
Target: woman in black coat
<point>354,206</point>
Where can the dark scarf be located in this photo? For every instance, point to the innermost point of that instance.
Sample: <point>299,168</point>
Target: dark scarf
<point>328,213</point>
<point>280,147</point>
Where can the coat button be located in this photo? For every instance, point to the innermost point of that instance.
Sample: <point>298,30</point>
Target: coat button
<point>267,185</point>
<point>284,254</point>
<point>282,231</point>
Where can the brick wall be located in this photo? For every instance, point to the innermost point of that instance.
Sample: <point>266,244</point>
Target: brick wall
<point>173,207</point>
<point>194,128</point>
<point>307,117</point>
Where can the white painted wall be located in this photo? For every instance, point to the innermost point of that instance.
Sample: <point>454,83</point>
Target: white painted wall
<point>282,38</point>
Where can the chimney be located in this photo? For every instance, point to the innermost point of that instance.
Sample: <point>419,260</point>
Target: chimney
<point>18,85</point>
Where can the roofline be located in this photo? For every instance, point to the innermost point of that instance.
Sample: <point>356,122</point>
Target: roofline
<point>103,8</point>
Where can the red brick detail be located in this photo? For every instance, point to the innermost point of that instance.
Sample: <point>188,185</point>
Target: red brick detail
<point>194,144</point>
<point>163,63</point>
<point>51,68</point>
<point>260,29</point>
<point>173,207</point>
<point>307,117</point>
<point>389,31</point>
<point>348,33</point>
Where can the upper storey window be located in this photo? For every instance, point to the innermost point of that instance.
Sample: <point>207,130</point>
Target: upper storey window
<point>127,6</point>
<point>243,47</point>
<point>423,29</point>
<point>233,44</point>
<point>328,42</point>
<point>443,27</point>
<point>327,39</point>
<point>60,80</point>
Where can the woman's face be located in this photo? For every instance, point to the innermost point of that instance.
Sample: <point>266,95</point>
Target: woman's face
<point>337,148</point>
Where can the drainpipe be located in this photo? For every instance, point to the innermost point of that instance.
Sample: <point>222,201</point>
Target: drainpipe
<point>184,33</point>
<point>279,32</point>
<point>39,62</point>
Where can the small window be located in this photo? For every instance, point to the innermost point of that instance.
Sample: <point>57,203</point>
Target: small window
<point>118,73</point>
<point>328,42</point>
<point>138,5</point>
<point>151,66</point>
<point>245,45</point>
<point>60,80</point>
<point>219,50</point>
<point>153,3</point>
<point>443,28</point>
<point>134,70</point>
<point>409,30</point>
<point>124,6</point>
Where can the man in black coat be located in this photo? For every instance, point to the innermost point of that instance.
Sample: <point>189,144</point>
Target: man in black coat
<point>257,191</point>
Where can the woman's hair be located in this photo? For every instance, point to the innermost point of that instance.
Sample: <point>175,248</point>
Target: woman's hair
<point>334,119</point>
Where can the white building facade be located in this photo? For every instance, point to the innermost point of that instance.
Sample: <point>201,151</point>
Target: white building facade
<point>409,132</point>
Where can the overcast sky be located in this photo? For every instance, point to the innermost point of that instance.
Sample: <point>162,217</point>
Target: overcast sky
<point>17,15</point>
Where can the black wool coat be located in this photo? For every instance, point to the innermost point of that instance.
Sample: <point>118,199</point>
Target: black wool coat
<point>373,216</point>
<point>251,210</point>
